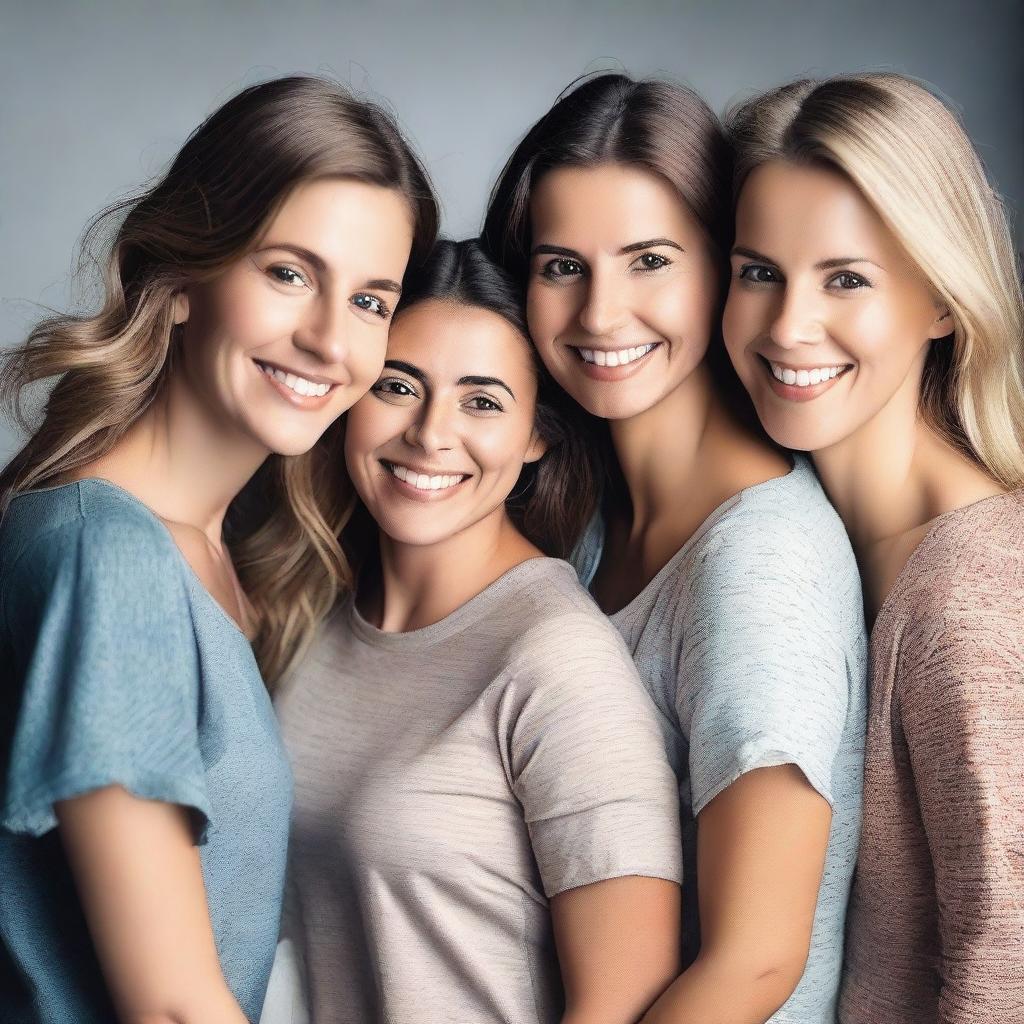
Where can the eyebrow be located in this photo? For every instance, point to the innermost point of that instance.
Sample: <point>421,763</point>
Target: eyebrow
<point>831,264</point>
<point>650,243</point>
<point>473,379</point>
<point>485,382</point>
<point>320,265</point>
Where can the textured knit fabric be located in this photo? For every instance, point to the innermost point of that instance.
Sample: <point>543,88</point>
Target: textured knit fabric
<point>937,917</point>
<point>451,780</point>
<point>117,667</point>
<point>751,641</point>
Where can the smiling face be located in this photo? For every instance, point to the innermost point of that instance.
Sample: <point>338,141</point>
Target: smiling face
<point>290,335</point>
<point>828,321</point>
<point>439,442</point>
<point>622,287</point>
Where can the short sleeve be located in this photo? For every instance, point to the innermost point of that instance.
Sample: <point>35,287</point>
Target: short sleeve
<point>586,758</point>
<point>106,671</point>
<point>769,655</point>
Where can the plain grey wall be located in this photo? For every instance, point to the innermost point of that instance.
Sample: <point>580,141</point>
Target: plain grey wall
<point>96,98</point>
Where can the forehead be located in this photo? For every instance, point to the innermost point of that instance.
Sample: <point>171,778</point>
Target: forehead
<point>338,218</point>
<point>449,340</point>
<point>612,204</point>
<point>807,209</point>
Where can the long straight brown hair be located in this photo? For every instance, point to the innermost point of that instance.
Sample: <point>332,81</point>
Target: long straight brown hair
<point>225,185</point>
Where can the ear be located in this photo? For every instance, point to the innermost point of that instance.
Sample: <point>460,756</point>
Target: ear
<point>942,326</point>
<point>538,446</point>
<point>180,308</point>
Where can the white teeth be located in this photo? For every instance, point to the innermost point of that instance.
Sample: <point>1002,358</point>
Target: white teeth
<point>299,385</point>
<point>618,357</point>
<point>805,378</point>
<point>423,482</point>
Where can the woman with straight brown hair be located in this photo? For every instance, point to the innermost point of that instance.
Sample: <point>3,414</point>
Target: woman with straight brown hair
<point>719,560</point>
<point>145,791</point>
<point>875,316</point>
<point>485,824</point>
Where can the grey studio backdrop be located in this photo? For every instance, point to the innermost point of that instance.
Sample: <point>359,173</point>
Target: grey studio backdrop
<point>95,97</point>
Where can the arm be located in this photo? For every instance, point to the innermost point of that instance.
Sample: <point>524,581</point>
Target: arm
<point>618,947</point>
<point>141,887</point>
<point>962,713</point>
<point>761,847</point>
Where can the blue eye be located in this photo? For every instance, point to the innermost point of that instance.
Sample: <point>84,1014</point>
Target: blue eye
<point>372,304</point>
<point>758,273</point>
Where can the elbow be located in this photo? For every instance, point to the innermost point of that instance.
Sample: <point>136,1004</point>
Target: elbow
<point>761,983</point>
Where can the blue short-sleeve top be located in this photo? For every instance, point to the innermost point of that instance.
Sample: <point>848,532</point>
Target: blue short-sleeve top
<point>117,667</point>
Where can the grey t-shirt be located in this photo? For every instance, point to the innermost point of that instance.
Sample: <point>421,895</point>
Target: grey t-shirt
<point>117,667</point>
<point>451,780</point>
<point>751,642</point>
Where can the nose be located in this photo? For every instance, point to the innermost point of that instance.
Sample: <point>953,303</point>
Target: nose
<point>797,320</point>
<point>605,308</point>
<point>323,331</point>
<point>432,429</point>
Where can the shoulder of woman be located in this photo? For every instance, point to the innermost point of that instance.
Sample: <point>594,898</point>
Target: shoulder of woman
<point>92,530</point>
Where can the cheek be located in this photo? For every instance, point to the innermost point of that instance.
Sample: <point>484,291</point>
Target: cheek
<point>879,334</point>
<point>249,314</point>
<point>369,424</point>
<point>501,448</point>
<point>549,312</point>
<point>366,356</point>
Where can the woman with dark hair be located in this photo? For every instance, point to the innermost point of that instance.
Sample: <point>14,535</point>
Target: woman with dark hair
<point>486,827</point>
<point>718,557</point>
<point>145,792</point>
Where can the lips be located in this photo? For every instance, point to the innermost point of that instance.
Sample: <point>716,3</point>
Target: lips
<point>801,384</point>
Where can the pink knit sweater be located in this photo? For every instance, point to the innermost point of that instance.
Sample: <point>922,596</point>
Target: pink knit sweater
<point>936,923</point>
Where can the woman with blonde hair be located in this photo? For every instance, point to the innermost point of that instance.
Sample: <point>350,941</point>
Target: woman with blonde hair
<point>145,791</point>
<point>875,317</point>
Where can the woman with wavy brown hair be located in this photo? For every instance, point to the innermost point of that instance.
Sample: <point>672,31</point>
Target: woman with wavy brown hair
<point>145,794</point>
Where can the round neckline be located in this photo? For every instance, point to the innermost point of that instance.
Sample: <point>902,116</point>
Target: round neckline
<point>135,500</point>
<point>455,622</point>
<point>800,466</point>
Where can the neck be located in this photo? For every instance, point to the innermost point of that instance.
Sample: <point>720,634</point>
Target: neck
<point>420,584</point>
<point>895,473</point>
<point>660,450</point>
<point>182,461</point>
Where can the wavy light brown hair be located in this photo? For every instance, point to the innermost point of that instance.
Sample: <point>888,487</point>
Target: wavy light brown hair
<point>223,188</point>
<point>912,160</point>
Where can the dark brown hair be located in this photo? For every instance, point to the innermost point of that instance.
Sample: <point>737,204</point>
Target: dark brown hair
<point>612,119</point>
<point>554,495</point>
<point>225,185</point>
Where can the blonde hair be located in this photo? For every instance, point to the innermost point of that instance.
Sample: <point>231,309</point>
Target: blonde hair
<point>910,157</point>
<point>229,179</point>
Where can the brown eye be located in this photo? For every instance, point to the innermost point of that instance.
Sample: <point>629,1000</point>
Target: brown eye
<point>562,268</point>
<point>287,275</point>
<point>848,281</point>
<point>757,273</point>
<point>652,261</point>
